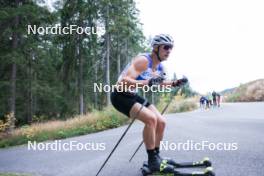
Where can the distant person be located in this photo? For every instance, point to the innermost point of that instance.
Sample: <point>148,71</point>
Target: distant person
<point>203,102</point>
<point>218,99</point>
<point>214,98</point>
<point>210,100</point>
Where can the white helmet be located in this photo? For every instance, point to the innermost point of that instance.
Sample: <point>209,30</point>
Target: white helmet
<point>162,39</point>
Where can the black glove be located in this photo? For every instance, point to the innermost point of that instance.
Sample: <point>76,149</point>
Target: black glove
<point>155,81</point>
<point>180,82</point>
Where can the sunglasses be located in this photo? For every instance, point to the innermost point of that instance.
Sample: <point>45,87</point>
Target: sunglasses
<point>167,47</point>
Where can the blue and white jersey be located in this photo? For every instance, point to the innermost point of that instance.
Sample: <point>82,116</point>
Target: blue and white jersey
<point>148,73</point>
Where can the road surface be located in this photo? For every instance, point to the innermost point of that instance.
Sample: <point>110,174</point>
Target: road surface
<point>239,125</point>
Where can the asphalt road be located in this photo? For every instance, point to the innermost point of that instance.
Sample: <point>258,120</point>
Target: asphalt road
<point>237,127</point>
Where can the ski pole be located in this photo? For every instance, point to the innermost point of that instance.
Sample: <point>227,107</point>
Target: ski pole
<point>121,138</point>
<point>163,111</point>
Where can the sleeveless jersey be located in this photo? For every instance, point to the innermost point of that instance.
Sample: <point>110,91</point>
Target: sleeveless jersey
<point>148,73</point>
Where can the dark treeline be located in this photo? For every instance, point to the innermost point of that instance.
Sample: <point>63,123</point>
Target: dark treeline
<point>51,76</point>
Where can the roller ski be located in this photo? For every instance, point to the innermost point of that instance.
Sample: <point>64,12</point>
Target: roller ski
<point>170,170</point>
<point>203,163</point>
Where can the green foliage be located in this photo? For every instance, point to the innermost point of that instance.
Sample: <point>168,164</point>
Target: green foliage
<point>53,70</point>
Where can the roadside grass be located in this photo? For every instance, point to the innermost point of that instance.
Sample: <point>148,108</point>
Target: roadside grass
<point>58,129</point>
<point>14,174</point>
<point>179,104</point>
<point>80,125</point>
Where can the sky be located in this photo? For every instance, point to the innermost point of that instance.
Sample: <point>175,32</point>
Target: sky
<point>218,44</point>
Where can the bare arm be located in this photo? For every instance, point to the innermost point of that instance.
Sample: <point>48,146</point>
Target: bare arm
<point>139,64</point>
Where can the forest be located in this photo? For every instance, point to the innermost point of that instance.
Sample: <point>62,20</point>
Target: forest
<point>47,75</point>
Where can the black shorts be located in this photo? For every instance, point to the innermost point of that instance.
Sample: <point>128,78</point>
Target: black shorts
<point>123,101</point>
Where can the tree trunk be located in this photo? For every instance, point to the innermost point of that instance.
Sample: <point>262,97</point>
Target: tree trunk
<point>34,98</point>
<point>126,51</point>
<point>79,55</point>
<point>13,75</point>
<point>107,57</point>
<point>95,92</point>
<point>30,95</point>
<point>118,61</point>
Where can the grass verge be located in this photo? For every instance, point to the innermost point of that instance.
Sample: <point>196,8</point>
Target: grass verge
<point>14,174</point>
<point>58,129</point>
<point>80,125</point>
<point>179,104</point>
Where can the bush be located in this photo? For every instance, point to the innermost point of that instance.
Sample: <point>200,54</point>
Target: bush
<point>7,123</point>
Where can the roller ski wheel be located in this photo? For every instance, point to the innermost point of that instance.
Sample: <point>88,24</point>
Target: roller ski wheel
<point>207,172</point>
<point>203,163</point>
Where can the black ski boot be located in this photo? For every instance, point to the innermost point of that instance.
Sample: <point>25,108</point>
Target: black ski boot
<point>162,168</point>
<point>165,159</point>
<point>157,151</point>
<point>154,163</point>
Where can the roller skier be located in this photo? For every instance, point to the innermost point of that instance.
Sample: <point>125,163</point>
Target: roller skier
<point>145,70</point>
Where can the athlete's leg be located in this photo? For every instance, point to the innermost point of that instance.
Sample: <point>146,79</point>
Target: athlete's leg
<point>207,104</point>
<point>218,101</point>
<point>150,120</point>
<point>161,123</point>
<point>149,133</point>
